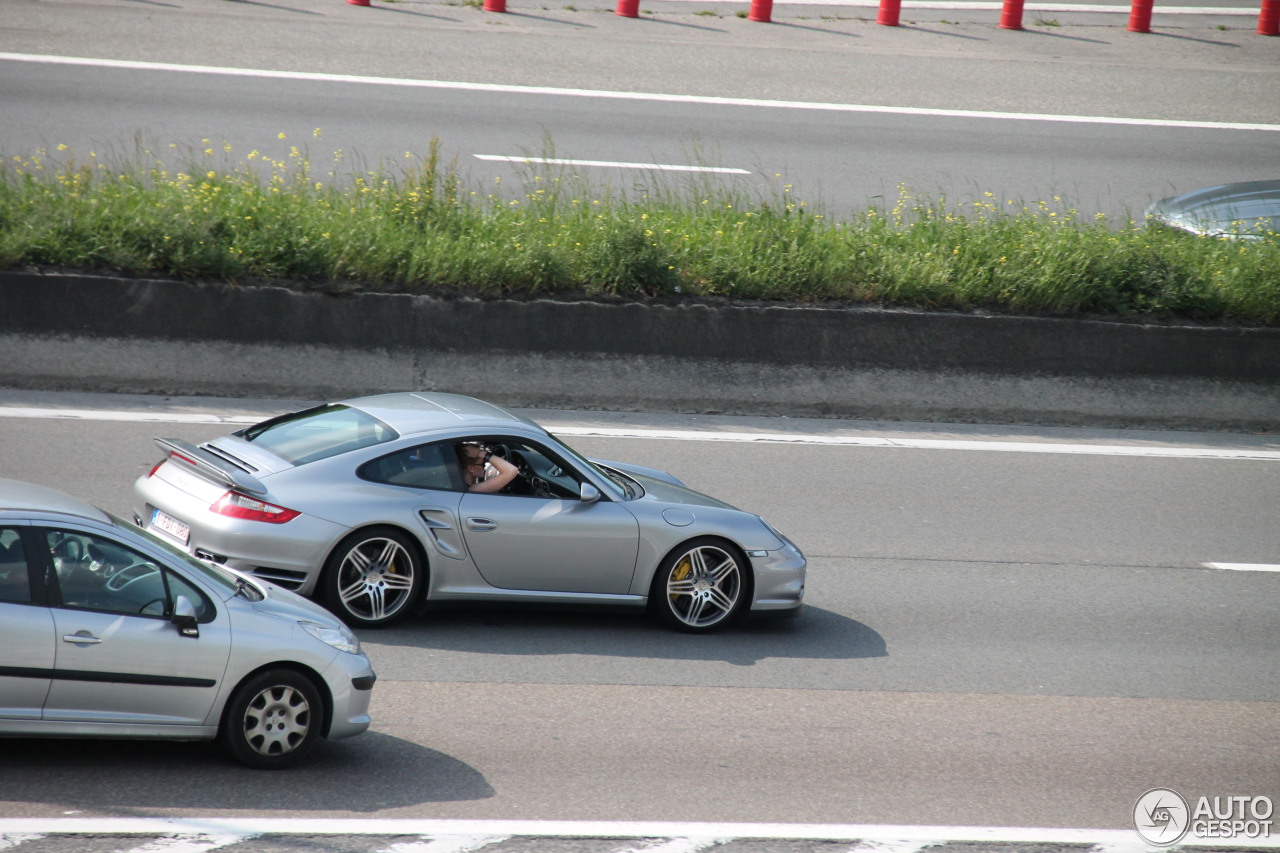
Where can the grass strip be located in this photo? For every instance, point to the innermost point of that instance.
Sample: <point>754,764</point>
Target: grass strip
<point>423,228</point>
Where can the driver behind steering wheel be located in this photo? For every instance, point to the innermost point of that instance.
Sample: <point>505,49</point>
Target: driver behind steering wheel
<point>482,471</point>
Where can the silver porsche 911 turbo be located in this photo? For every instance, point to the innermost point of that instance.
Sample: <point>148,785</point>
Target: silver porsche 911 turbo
<point>364,505</point>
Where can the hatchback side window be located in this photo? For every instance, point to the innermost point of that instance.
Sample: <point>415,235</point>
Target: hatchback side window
<point>15,583</point>
<point>180,586</point>
<point>98,574</point>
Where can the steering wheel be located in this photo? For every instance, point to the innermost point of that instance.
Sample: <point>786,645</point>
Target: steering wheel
<point>102,562</point>
<point>133,574</point>
<point>68,549</point>
<point>536,483</point>
<point>143,608</point>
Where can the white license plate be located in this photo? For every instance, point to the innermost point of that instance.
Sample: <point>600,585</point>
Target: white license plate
<point>170,525</point>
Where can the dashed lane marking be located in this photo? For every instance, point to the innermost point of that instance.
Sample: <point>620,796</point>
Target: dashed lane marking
<point>1243,567</point>
<point>609,164</point>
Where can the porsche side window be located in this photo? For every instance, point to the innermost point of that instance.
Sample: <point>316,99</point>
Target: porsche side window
<point>424,467</point>
<point>15,583</point>
<point>97,574</point>
<point>542,475</point>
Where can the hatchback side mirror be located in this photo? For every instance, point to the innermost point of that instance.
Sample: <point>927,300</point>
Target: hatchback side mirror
<point>184,617</point>
<point>588,494</point>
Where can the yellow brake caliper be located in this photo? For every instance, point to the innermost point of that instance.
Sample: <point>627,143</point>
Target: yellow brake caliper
<point>683,569</point>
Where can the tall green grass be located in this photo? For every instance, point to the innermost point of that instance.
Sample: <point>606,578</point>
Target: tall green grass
<point>423,227</point>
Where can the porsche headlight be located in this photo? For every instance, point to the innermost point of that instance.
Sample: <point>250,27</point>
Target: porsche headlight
<point>776,532</point>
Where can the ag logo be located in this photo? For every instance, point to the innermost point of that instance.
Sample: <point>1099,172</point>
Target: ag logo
<point>1161,817</point>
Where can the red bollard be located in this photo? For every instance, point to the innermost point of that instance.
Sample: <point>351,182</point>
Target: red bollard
<point>1011,15</point>
<point>1140,16</point>
<point>761,10</point>
<point>495,5</point>
<point>629,8</point>
<point>1269,18</point>
<point>889,11</point>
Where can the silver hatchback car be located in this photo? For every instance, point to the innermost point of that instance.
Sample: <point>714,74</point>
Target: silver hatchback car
<point>109,631</point>
<point>365,505</point>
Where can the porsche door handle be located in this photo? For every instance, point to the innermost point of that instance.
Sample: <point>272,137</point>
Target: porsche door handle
<point>481,524</point>
<point>83,638</point>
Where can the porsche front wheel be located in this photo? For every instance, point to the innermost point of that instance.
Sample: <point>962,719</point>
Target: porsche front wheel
<point>701,586</point>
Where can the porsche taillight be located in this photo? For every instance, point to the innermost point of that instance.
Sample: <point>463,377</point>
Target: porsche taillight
<point>237,505</point>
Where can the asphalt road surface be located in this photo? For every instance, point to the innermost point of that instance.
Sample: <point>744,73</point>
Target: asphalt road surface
<point>825,107</point>
<point>1004,628</point>
<point>992,638</point>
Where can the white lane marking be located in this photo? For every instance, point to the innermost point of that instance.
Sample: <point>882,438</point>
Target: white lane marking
<point>446,844</point>
<point>579,829</point>
<point>677,845</point>
<point>889,846</point>
<point>1242,567</point>
<point>628,96</point>
<point>1134,846</point>
<point>655,167</point>
<point>709,435</point>
<point>190,843</point>
<point>921,443</point>
<point>128,416</point>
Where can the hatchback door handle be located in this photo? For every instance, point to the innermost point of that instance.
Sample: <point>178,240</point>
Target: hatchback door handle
<point>479,524</point>
<point>83,637</point>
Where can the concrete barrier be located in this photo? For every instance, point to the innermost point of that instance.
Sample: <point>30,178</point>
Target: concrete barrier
<point>72,332</point>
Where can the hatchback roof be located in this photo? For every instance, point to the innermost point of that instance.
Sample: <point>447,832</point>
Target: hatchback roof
<point>28,497</point>
<point>411,412</point>
<point>1243,209</point>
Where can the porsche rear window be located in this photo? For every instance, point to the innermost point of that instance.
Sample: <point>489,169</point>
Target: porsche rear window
<point>318,433</point>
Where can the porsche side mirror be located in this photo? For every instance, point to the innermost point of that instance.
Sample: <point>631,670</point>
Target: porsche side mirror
<point>588,494</point>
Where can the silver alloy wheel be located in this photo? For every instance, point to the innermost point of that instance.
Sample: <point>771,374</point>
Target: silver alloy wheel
<point>375,579</point>
<point>277,720</point>
<point>703,586</point>
<point>273,719</point>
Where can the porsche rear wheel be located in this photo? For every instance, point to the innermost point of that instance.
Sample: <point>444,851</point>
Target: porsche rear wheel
<point>372,577</point>
<point>701,586</point>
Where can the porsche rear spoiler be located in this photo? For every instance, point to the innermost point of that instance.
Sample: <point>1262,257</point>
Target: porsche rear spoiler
<point>211,466</point>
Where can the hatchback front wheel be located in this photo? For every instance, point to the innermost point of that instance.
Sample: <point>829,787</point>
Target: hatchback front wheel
<point>273,720</point>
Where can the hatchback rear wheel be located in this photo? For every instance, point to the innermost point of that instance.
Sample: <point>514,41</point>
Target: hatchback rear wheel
<point>372,577</point>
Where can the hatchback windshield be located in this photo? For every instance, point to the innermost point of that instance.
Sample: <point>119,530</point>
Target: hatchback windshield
<point>318,433</point>
<point>215,575</point>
